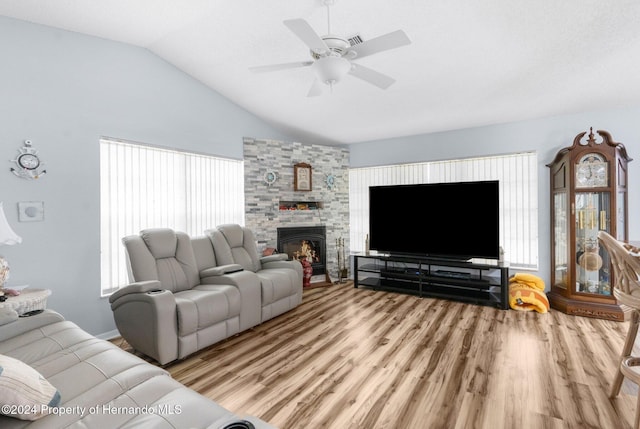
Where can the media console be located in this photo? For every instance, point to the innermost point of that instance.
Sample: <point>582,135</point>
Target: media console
<point>478,283</point>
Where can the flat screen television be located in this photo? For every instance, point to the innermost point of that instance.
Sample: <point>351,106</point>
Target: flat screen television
<point>458,220</point>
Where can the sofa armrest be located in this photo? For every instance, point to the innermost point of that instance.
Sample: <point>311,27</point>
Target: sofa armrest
<point>221,270</point>
<point>292,265</point>
<point>274,257</point>
<point>7,315</point>
<point>20,325</point>
<point>235,278</point>
<point>138,287</point>
<point>148,322</point>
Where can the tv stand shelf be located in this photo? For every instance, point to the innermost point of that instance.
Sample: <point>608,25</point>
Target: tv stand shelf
<point>478,283</point>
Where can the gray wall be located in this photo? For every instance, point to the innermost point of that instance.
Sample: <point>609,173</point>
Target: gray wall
<point>63,91</point>
<point>545,136</point>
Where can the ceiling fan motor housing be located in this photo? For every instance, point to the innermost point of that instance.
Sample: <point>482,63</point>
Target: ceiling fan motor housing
<point>336,44</point>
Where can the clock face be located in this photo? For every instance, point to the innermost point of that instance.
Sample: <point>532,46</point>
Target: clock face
<point>591,171</point>
<point>28,161</point>
<point>270,177</point>
<point>330,180</point>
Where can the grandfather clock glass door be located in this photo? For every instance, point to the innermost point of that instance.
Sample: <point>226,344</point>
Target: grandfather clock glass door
<point>560,240</point>
<point>592,270</point>
<point>588,195</point>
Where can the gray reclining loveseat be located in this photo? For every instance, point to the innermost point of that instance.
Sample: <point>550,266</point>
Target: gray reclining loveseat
<point>183,299</point>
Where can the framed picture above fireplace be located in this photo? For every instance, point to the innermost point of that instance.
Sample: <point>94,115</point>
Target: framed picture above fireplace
<point>302,177</point>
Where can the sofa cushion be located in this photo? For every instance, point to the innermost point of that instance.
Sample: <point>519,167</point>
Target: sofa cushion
<point>24,390</point>
<point>234,244</point>
<point>162,242</point>
<point>204,306</point>
<point>171,275</point>
<point>277,283</point>
<point>165,255</point>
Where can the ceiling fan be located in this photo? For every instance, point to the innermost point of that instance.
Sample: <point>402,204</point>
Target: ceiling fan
<point>333,56</point>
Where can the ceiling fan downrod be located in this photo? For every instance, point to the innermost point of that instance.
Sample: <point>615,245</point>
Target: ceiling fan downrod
<point>328,4</point>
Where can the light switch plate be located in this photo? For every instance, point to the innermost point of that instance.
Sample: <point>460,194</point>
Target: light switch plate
<point>31,211</point>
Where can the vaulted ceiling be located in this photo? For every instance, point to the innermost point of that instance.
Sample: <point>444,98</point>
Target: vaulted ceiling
<point>470,63</point>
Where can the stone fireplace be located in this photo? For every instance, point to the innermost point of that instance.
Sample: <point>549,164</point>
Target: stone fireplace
<point>268,204</point>
<point>308,242</point>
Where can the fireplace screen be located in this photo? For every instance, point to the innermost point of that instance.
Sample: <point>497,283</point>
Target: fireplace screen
<point>305,242</point>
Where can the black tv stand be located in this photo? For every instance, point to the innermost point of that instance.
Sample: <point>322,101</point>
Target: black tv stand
<point>478,283</point>
<point>452,274</point>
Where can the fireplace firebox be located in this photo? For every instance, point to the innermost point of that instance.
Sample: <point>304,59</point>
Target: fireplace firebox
<point>305,242</point>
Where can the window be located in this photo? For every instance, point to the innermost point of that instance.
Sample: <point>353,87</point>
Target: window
<point>143,186</point>
<point>518,178</point>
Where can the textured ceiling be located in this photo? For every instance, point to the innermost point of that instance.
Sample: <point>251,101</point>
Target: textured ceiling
<point>470,63</point>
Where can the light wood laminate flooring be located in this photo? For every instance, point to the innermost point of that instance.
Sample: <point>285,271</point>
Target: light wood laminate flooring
<point>358,358</point>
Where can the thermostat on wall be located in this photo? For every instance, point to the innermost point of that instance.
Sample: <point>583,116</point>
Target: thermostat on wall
<point>31,211</point>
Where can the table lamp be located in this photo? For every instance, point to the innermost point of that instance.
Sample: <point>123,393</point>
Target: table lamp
<point>7,238</point>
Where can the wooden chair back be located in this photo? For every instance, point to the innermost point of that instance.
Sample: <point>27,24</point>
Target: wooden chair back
<point>626,269</point>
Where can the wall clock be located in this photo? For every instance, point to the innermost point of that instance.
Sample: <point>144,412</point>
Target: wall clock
<point>28,163</point>
<point>270,177</point>
<point>330,180</point>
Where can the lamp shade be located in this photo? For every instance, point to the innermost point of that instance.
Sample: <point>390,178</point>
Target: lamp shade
<point>8,236</point>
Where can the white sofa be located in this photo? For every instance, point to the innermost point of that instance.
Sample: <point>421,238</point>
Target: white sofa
<point>100,385</point>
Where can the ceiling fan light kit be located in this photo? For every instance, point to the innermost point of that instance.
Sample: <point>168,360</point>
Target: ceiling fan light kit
<point>331,69</point>
<point>333,55</point>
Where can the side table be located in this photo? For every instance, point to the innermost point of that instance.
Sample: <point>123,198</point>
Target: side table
<point>28,300</point>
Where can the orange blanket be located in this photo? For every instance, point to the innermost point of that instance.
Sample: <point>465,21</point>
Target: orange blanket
<point>526,293</point>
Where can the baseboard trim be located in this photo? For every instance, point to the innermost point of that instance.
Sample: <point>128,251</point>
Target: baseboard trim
<point>108,335</point>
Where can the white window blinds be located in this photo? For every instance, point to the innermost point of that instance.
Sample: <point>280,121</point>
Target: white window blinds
<point>150,187</point>
<point>518,176</point>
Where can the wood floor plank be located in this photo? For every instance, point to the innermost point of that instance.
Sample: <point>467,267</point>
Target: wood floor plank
<point>361,358</point>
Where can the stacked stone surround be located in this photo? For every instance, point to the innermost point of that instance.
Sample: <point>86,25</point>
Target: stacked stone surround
<point>262,214</point>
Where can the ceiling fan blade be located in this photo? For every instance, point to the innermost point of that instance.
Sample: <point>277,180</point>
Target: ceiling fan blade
<point>303,30</point>
<point>283,66</point>
<point>378,44</point>
<point>317,88</point>
<point>373,77</point>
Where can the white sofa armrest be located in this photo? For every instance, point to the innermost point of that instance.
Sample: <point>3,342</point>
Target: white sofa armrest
<point>7,315</point>
<point>138,287</point>
<point>221,270</point>
<point>20,325</point>
<point>147,320</point>
<point>274,257</point>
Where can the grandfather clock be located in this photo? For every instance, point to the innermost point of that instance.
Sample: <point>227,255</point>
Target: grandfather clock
<point>588,194</point>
